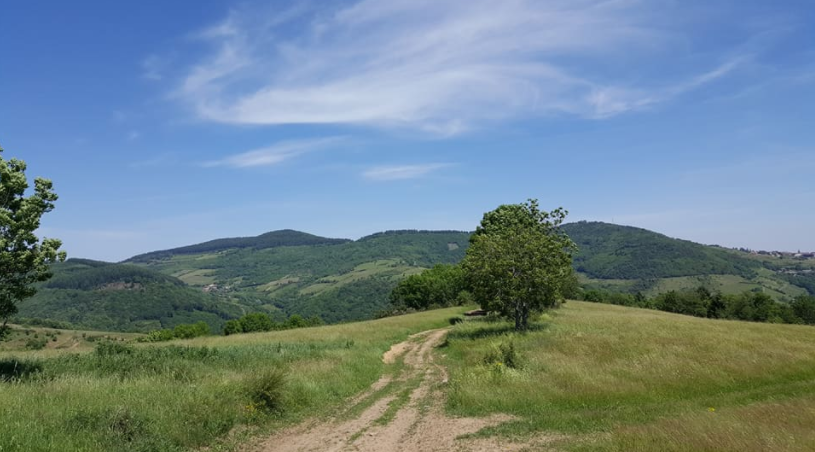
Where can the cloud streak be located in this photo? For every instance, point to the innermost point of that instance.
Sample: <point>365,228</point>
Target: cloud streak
<point>273,154</point>
<point>402,172</point>
<point>438,66</point>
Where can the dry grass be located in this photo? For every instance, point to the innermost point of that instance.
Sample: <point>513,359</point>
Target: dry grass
<point>624,374</point>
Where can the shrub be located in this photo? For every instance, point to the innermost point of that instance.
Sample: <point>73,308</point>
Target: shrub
<point>35,343</point>
<point>233,327</point>
<point>455,320</point>
<point>256,321</point>
<point>189,331</point>
<point>266,391</point>
<point>504,354</point>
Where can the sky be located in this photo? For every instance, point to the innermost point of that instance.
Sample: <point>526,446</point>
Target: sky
<point>164,124</point>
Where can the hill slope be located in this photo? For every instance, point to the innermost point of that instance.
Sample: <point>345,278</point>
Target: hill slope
<point>289,272</point>
<point>274,239</point>
<point>122,297</point>
<point>338,281</point>
<point>610,251</point>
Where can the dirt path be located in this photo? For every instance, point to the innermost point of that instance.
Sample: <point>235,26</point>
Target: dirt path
<point>408,416</point>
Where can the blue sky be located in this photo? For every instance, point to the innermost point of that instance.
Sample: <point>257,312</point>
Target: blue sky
<point>169,123</point>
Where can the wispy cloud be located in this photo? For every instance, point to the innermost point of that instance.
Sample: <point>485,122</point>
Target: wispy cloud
<point>402,172</point>
<point>274,154</point>
<point>441,66</point>
<point>152,68</point>
<point>611,101</point>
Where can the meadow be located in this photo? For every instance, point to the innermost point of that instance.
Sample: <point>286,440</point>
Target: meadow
<point>594,377</point>
<point>206,392</point>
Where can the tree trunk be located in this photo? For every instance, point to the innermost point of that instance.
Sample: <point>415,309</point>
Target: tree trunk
<point>517,316</point>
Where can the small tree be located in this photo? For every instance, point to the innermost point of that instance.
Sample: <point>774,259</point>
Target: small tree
<point>232,327</point>
<point>256,321</point>
<point>519,261</point>
<point>24,258</point>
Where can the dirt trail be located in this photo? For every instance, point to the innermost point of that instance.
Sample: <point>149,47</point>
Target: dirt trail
<point>390,423</point>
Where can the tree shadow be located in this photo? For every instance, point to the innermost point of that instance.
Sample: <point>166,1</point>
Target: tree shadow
<point>14,370</point>
<point>493,329</point>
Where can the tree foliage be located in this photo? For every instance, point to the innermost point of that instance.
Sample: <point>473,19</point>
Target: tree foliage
<point>24,258</point>
<point>519,261</point>
<point>752,306</point>
<point>439,286</point>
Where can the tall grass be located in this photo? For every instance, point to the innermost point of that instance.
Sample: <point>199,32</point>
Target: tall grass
<point>614,378</point>
<point>187,395</point>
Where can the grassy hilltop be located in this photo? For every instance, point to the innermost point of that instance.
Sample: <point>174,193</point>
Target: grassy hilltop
<point>589,377</point>
<point>607,378</point>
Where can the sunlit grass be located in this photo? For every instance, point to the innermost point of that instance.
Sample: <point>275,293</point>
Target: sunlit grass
<point>600,371</point>
<point>188,394</point>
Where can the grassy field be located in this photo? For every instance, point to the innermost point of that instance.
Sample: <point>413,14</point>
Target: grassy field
<point>52,340</point>
<point>596,377</point>
<point>191,394</point>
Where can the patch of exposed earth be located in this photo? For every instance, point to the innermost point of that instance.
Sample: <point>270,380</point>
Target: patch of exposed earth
<point>387,422</point>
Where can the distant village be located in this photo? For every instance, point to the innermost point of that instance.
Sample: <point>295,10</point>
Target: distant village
<point>782,254</point>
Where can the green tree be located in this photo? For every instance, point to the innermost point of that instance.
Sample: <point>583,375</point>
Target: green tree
<point>438,286</point>
<point>256,321</point>
<point>804,308</point>
<point>24,258</point>
<point>519,261</point>
<point>232,327</point>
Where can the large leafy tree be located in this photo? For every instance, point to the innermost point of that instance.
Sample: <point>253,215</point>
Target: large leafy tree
<point>520,261</point>
<point>24,258</point>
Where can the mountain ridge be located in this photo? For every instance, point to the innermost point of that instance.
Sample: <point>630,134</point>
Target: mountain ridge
<point>288,272</point>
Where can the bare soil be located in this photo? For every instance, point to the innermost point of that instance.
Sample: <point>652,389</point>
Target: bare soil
<point>418,425</point>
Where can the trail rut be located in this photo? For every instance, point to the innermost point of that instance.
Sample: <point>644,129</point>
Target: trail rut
<point>390,424</point>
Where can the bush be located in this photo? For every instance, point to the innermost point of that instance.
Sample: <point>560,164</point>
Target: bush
<point>256,321</point>
<point>232,327</point>
<point>157,336</point>
<point>189,331</point>
<point>35,343</point>
<point>266,391</point>
<point>503,355</point>
<point>455,320</point>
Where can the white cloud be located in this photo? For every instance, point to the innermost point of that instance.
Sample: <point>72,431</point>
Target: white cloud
<point>401,172</point>
<point>274,154</point>
<point>610,101</point>
<point>440,66</point>
<point>152,67</point>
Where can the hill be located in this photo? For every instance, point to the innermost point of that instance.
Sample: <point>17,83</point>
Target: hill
<point>338,281</point>
<point>616,379</point>
<point>274,239</point>
<point>626,379</point>
<point>121,297</point>
<point>630,259</point>
<point>288,272</point>
<point>608,251</point>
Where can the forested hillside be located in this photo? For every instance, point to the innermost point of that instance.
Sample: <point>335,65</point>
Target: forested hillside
<point>608,251</point>
<point>274,239</point>
<point>346,280</point>
<point>122,297</point>
<point>288,272</point>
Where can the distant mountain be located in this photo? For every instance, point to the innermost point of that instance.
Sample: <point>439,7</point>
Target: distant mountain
<point>289,272</point>
<point>339,280</point>
<point>608,251</point>
<point>122,297</point>
<point>274,239</point>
